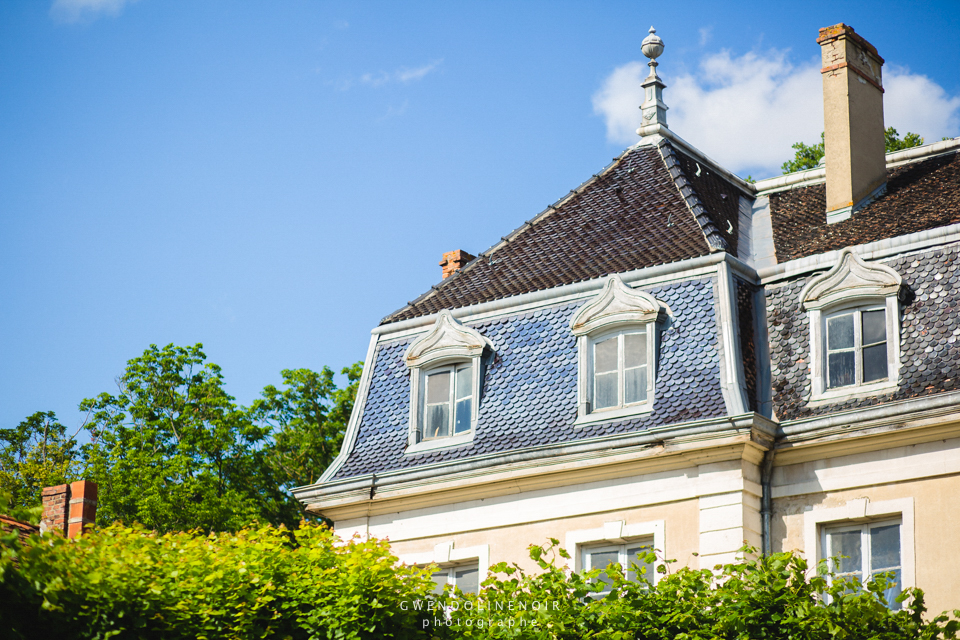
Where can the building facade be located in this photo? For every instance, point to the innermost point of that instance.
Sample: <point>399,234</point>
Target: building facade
<point>673,358</point>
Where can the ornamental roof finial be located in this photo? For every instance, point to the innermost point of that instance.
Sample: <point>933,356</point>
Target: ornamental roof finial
<point>653,108</point>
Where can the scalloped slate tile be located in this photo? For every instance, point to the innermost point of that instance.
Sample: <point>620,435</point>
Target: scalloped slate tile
<point>529,393</point>
<point>929,351</point>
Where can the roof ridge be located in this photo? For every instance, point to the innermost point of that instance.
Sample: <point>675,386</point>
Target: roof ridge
<point>715,240</point>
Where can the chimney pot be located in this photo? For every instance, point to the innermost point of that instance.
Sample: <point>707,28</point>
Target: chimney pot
<point>855,156</point>
<point>453,261</point>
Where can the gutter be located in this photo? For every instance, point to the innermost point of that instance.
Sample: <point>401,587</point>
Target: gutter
<point>766,505</point>
<point>576,288</point>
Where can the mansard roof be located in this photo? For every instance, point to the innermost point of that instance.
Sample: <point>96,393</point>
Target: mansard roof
<point>920,196</point>
<point>653,205</point>
<point>530,388</point>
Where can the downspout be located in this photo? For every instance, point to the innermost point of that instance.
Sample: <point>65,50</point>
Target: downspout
<point>766,502</point>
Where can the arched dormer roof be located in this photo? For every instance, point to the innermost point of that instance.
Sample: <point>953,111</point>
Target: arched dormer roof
<point>447,339</point>
<point>849,279</point>
<point>615,304</point>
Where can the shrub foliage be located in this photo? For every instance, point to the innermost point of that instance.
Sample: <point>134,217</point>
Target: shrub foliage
<point>128,582</point>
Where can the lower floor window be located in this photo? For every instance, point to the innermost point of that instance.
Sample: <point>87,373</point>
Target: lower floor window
<point>861,551</point>
<point>629,556</point>
<point>465,577</point>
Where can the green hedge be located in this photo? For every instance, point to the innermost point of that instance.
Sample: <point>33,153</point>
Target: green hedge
<point>127,582</point>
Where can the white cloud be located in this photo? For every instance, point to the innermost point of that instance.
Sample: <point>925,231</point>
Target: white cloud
<point>76,10</point>
<point>403,75</point>
<point>705,34</point>
<point>918,104</point>
<point>747,111</point>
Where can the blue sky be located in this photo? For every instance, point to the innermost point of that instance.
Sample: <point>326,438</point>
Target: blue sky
<point>272,178</point>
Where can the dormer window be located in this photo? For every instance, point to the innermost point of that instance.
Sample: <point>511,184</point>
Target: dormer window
<point>448,402</point>
<point>620,366</point>
<point>856,347</point>
<point>617,333</point>
<point>446,371</point>
<point>854,317</point>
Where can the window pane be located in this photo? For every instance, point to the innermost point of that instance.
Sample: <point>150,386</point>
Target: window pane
<point>605,395</point>
<point>463,416</point>
<point>605,355</point>
<point>874,326</point>
<point>437,421</point>
<point>890,593</point>
<point>468,579</point>
<point>634,349</point>
<point>847,544</point>
<point>884,547</point>
<point>875,362</point>
<point>840,366</point>
<point>464,382</point>
<point>440,580</point>
<point>646,568</point>
<point>601,560</point>
<point>438,387</point>
<point>840,332</point>
<point>635,385</point>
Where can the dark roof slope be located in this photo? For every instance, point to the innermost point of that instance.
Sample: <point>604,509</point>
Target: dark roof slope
<point>24,529</point>
<point>630,216</point>
<point>920,196</point>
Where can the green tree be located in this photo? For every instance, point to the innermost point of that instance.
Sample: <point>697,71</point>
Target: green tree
<point>37,453</point>
<point>307,420</point>
<point>893,142</point>
<point>808,156</point>
<point>173,451</point>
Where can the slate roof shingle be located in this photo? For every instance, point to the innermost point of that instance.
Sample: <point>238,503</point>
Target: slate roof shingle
<point>530,389</point>
<point>920,195</point>
<point>929,337</point>
<point>630,216</point>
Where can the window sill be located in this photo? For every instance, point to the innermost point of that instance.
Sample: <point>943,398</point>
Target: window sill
<point>440,443</point>
<point>609,415</point>
<point>852,393</point>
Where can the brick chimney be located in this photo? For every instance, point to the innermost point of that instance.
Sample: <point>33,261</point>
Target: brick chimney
<point>453,261</point>
<point>852,121</point>
<point>68,507</point>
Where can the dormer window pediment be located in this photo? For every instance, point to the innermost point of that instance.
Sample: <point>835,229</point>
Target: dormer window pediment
<point>448,340</point>
<point>617,304</point>
<point>849,279</point>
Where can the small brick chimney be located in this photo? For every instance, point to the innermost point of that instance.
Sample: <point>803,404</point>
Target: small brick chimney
<point>68,507</point>
<point>453,261</point>
<point>852,121</point>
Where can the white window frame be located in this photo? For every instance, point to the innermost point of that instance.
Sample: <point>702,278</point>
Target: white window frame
<point>866,547</point>
<point>448,344</point>
<point>621,549</point>
<point>446,556</point>
<point>615,533</point>
<point>616,311</point>
<point>817,522</point>
<point>857,313</point>
<point>454,370</point>
<point>621,408</point>
<point>452,569</point>
<point>851,285</point>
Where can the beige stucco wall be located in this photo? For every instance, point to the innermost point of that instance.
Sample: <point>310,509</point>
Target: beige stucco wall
<point>936,529</point>
<point>509,544</point>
